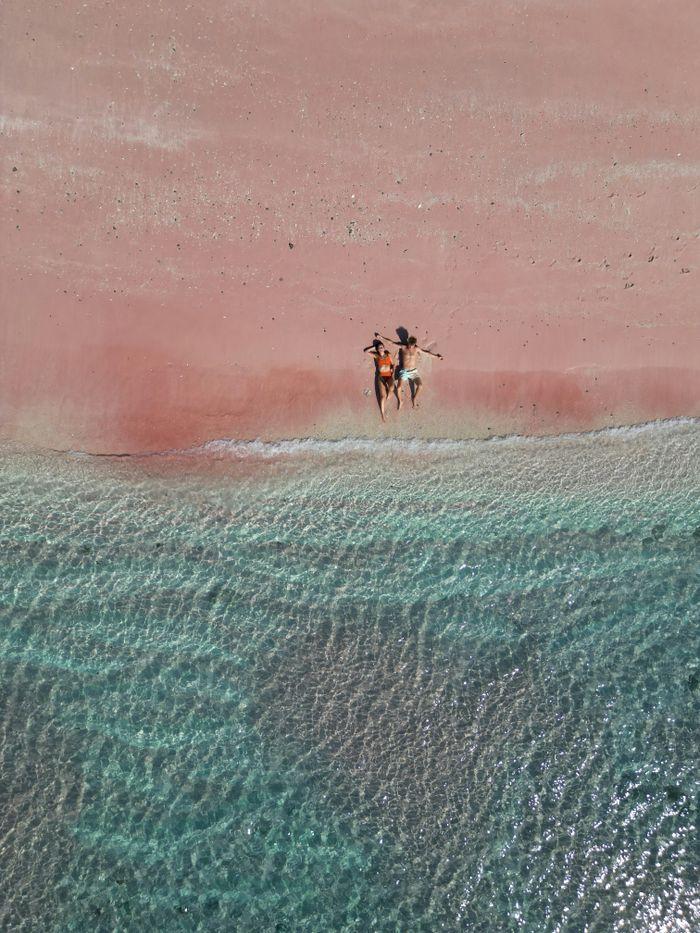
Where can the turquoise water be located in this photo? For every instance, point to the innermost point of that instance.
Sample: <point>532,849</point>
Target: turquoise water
<point>353,686</point>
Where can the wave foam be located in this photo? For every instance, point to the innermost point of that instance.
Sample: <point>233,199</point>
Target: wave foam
<point>363,445</point>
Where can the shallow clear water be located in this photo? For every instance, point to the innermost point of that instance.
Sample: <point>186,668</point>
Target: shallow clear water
<point>353,686</point>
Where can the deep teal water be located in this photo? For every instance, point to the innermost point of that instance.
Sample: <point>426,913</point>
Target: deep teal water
<point>354,686</point>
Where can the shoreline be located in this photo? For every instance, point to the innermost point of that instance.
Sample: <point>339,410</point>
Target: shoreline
<point>242,448</point>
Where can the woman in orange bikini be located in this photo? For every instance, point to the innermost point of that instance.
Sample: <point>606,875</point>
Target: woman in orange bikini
<point>384,373</point>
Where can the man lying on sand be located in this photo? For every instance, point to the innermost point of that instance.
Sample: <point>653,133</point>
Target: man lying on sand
<point>408,367</point>
<point>384,375</point>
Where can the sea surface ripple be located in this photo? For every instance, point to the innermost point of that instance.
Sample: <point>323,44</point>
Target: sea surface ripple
<point>353,686</point>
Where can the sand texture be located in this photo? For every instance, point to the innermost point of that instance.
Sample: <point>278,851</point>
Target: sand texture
<point>210,208</point>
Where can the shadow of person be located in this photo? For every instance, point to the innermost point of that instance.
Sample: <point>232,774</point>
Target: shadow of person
<point>402,334</point>
<point>378,390</point>
<point>377,382</point>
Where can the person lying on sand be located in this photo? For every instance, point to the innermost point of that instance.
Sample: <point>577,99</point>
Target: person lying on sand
<point>384,373</point>
<point>408,367</point>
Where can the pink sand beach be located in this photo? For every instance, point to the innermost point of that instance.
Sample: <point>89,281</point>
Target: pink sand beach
<point>209,211</point>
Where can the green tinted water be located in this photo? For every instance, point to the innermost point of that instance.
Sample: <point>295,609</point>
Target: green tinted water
<point>355,686</point>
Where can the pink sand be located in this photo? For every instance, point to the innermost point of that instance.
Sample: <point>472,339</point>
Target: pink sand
<point>213,208</point>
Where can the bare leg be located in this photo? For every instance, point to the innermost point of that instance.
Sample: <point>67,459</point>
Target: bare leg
<point>398,389</point>
<point>381,390</point>
<point>379,393</point>
<point>383,396</point>
<point>416,386</point>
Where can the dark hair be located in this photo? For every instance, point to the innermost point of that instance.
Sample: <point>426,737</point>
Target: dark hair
<point>412,341</point>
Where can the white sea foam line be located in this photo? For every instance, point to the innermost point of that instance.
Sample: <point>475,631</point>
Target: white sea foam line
<point>360,445</point>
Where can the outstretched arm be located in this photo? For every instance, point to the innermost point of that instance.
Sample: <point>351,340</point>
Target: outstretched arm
<point>389,340</point>
<point>430,352</point>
